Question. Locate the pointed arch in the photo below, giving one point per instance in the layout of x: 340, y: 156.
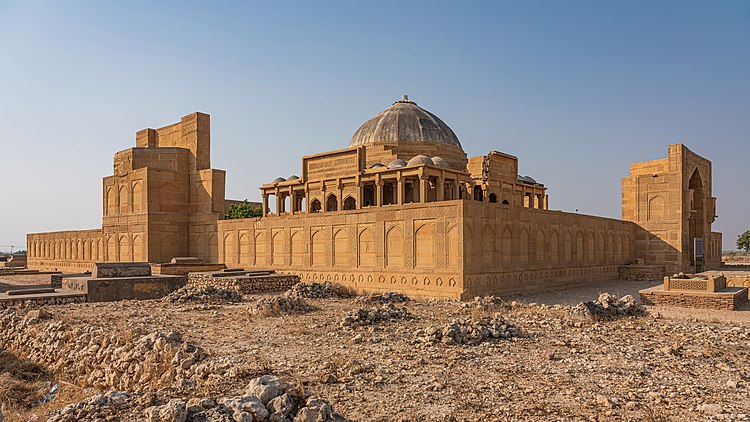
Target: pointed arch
x: 244, y: 248
x: 332, y: 203
x: 136, y: 197
x: 277, y: 249
x: 110, y: 205
x: 125, y: 255
x: 488, y: 247
x: 539, y: 248
x: 317, y: 249
x: 213, y: 249
x: 297, y: 249
x: 554, y: 248
x: 424, y: 246
x: 315, y: 205
x: 228, y: 253
x: 350, y: 203
x: 508, y: 247
x: 340, y: 256
x: 123, y: 199
x: 601, y: 253
x: 394, y: 248
x: 139, y: 253
x: 261, y: 249
x: 366, y: 248
x: 523, y: 253
x: 579, y: 251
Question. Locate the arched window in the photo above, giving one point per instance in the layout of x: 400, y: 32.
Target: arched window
x: 314, y: 205
x: 350, y: 203
x: 505, y: 202
x: 331, y: 203
x: 478, y: 195
x: 493, y: 198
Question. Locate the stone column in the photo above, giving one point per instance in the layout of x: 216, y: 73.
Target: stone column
x: 423, y: 179
x: 440, y: 185
x: 340, y: 197
x: 378, y: 193
x: 361, y: 199
x: 265, y: 204
x: 278, y: 202
x: 400, y: 190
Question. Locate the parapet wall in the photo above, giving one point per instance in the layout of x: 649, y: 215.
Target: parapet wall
x: 450, y: 249
x: 514, y: 250
x: 73, y: 250
x: 414, y: 248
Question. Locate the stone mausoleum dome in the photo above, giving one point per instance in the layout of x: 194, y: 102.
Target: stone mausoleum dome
x: 403, y: 122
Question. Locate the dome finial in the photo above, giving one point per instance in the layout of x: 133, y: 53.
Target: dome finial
x: 404, y: 97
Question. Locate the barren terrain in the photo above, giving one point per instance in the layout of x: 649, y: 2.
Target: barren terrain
x: 664, y: 365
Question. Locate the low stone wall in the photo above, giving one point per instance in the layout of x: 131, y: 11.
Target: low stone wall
x: 244, y: 283
x: 719, y: 301
x: 8, y: 302
x: 641, y: 272
x: 735, y: 277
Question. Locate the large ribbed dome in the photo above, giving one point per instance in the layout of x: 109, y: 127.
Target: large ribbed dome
x: 404, y: 121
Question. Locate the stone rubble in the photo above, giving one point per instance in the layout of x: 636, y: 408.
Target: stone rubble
x: 385, y: 297
x: 101, y: 358
x: 609, y: 306
x: 362, y: 316
x: 316, y: 291
x: 486, y: 303
x: 266, y: 398
x: 279, y: 305
x: 203, y: 294
x: 464, y: 331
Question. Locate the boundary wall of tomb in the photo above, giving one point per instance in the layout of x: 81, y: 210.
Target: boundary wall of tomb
x: 72, y: 250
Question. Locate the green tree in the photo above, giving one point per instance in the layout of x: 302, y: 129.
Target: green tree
x: 743, y: 241
x: 243, y: 210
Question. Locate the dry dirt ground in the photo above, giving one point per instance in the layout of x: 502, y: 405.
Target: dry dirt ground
x: 667, y: 365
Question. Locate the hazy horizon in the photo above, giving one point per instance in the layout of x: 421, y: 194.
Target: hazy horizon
x: 576, y: 90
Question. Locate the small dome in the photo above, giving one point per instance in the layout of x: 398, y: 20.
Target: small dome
x: 440, y: 162
x: 404, y: 122
x: 527, y: 179
x: 278, y: 180
x: 293, y: 177
x: 397, y: 163
x: 376, y: 165
x: 420, y: 160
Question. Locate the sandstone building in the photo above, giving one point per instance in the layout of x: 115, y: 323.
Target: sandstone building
x: 401, y: 208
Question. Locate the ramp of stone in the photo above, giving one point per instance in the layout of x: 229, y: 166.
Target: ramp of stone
x: 253, y: 281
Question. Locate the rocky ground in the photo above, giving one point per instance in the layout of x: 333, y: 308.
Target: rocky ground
x: 525, y: 358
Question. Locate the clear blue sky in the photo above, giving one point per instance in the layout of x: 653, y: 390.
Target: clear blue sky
x: 576, y: 89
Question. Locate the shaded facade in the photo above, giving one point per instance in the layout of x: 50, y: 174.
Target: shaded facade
x: 401, y: 208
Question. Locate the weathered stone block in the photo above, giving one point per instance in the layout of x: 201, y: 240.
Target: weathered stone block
x: 120, y: 269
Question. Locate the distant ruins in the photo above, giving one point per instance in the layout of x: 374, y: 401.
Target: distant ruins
x: 401, y: 208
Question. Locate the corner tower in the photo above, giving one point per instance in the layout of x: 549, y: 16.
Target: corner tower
x: 671, y: 200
